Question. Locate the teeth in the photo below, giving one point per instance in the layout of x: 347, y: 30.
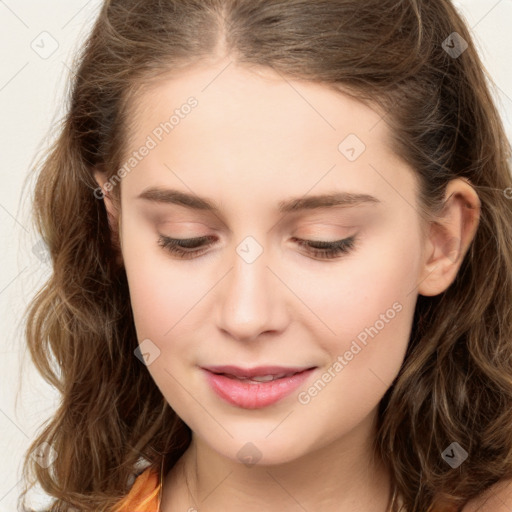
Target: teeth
x: 263, y: 378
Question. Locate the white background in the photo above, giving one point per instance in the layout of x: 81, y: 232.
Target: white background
x: 31, y: 101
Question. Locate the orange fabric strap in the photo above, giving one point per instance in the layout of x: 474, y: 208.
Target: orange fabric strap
x: 144, y: 496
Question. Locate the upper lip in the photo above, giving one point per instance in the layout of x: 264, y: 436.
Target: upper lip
x: 257, y: 371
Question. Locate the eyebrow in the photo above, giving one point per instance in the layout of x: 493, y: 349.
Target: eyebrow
x: 343, y: 199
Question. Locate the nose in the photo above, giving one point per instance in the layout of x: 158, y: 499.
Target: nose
x: 251, y: 300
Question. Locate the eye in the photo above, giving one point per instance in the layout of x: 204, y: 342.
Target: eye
x: 184, y: 248
x: 187, y: 248
x: 328, y: 250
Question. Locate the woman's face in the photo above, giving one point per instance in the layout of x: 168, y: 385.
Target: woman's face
x: 243, y: 163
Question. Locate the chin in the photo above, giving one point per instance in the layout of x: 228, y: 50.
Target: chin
x: 259, y: 447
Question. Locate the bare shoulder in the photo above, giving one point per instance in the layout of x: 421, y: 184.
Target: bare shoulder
x: 497, y: 498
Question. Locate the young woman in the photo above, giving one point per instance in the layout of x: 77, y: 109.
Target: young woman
x: 281, y: 236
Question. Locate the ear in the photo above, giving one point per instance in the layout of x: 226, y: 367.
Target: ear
x: 113, y: 212
x: 449, y: 237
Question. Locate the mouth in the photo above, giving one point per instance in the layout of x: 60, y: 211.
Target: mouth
x: 259, y: 378
x: 255, y: 388
x: 258, y: 373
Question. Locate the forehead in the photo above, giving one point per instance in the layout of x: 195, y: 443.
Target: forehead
x: 257, y: 128
x: 259, y: 100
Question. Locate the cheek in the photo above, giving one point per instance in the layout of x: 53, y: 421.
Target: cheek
x: 368, y: 306
x: 373, y: 321
x: 373, y: 287
x: 161, y: 292
x: 162, y: 297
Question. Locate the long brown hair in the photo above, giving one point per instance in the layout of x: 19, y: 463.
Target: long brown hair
x: 455, y: 384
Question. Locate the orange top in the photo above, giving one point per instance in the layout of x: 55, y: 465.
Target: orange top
x: 145, y: 495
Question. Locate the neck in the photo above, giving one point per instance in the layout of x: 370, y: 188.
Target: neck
x: 340, y: 476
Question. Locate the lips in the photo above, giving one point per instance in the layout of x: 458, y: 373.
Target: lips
x: 260, y: 373
x: 254, y: 388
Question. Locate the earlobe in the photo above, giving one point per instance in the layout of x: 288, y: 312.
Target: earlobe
x: 449, y: 237
x: 113, y: 216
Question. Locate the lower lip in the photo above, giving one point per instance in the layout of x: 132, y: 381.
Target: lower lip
x: 254, y: 395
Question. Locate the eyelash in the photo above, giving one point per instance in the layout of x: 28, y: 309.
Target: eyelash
x: 324, y: 250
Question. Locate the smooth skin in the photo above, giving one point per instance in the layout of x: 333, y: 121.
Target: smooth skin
x: 253, y: 140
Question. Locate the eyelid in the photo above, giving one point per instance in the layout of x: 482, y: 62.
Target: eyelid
x: 324, y: 250
x: 196, y: 240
